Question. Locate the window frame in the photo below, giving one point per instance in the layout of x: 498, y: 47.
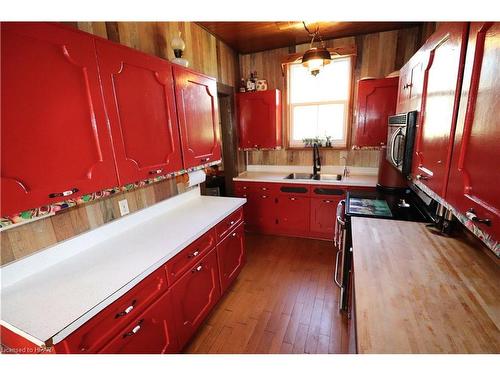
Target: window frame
x: 342, y: 145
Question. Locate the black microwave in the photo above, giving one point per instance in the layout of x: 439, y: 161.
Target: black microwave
x: 400, y: 140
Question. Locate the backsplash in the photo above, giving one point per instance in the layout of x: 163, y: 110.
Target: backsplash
x: 21, y: 241
x: 355, y: 158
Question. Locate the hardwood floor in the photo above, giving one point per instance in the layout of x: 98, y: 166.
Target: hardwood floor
x: 284, y: 301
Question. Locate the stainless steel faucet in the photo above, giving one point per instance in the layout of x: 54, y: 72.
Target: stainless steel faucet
x: 316, y: 160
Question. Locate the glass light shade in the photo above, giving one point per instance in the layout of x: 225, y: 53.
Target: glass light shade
x: 315, y: 58
x: 178, y: 43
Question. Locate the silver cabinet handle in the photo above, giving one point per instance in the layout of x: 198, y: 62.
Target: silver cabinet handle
x: 471, y: 215
x: 336, y: 269
x: 205, y: 159
x: 326, y: 201
x: 232, y: 222
x: 421, y: 177
x: 264, y: 196
x: 293, y: 199
x: 234, y: 234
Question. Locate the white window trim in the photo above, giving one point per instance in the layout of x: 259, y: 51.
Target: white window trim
x: 347, y: 102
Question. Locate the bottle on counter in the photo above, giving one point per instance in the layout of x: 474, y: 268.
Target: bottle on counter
x: 243, y: 85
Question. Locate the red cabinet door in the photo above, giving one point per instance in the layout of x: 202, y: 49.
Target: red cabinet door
x: 197, y: 110
x: 55, y: 143
x: 231, y: 257
x: 440, y: 96
x: 194, y: 295
x: 293, y: 214
x: 259, y: 119
x: 153, y: 332
x: 264, y: 211
x: 323, y: 215
x: 139, y: 96
x: 474, y: 181
x: 376, y: 102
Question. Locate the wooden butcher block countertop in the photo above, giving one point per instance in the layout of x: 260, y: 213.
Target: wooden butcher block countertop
x: 420, y: 292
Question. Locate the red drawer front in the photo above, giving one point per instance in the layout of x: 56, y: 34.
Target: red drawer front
x: 189, y: 256
x: 152, y: 332
x: 228, y: 224
x: 243, y: 186
x: 294, y: 189
x: 97, y: 331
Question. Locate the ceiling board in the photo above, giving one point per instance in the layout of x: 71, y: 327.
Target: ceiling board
x: 248, y: 37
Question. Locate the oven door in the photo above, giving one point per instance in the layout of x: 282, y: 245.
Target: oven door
x: 340, y: 257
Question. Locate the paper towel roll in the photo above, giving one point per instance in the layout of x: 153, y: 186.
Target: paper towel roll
x: 197, y: 177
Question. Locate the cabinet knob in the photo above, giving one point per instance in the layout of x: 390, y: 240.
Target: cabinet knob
x: 205, y: 160
x: 197, y: 269
x: 232, y: 222
x: 421, y: 177
x: 264, y: 196
x: 471, y: 215
x: 194, y: 253
x: 234, y: 234
x: 327, y: 201
x: 293, y: 199
x: 127, y: 310
x: 134, y: 330
x: 156, y: 171
x: 64, y: 193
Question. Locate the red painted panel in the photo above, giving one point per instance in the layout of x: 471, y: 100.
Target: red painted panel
x: 54, y: 136
x: 194, y: 295
x: 474, y: 181
x: 139, y: 96
x: 228, y: 224
x: 153, y: 332
x: 259, y: 119
x: 376, y: 102
x: 323, y: 215
x: 197, y: 108
x: 231, y: 257
x: 442, y: 80
x: 294, y: 214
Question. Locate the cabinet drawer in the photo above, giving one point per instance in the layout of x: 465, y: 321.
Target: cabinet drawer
x: 262, y: 187
x: 152, y: 332
x: 101, y: 328
x: 294, y: 189
x: 228, y: 224
x: 189, y: 256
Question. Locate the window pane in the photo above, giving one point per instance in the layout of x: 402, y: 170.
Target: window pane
x: 310, y: 121
x: 332, y: 83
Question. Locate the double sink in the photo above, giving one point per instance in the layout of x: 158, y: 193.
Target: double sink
x: 310, y: 176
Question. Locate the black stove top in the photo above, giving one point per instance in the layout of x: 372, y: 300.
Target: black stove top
x: 397, y: 205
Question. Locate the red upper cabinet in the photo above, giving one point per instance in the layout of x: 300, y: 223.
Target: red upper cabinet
x: 474, y: 181
x: 139, y: 96
x: 54, y: 139
x: 259, y: 119
x: 197, y: 111
x: 440, y: 97
x: 411, y: 83
x: 376, y: 101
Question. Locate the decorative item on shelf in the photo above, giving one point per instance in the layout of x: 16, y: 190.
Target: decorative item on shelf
x: 315, y: 58
x: 261, y: 85
x: 250, y: 83
x: 328, y: 142
x: 178, y: 46
x: 243, y: 85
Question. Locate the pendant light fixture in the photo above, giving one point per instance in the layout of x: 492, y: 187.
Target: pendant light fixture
x: 315, y: 58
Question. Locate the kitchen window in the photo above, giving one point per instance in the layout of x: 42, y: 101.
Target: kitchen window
x: 319, y: 106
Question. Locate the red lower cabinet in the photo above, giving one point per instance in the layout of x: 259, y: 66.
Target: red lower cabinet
x: 293, y: 214
x: 231, y: 257
x: 153, y: 332
x: 194, y: 295
x: 323, y: 217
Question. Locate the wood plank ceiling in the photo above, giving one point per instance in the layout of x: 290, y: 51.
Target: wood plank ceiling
x: 249, y: 37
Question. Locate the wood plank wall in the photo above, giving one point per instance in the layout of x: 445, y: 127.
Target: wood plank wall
x: 378, y: 54
x: 205, y: 54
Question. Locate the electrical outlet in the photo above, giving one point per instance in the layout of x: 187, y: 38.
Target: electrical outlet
x: 123, y: 204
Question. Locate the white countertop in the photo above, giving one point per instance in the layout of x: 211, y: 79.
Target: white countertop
x: 51, y: 293
x: 364, y: 177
